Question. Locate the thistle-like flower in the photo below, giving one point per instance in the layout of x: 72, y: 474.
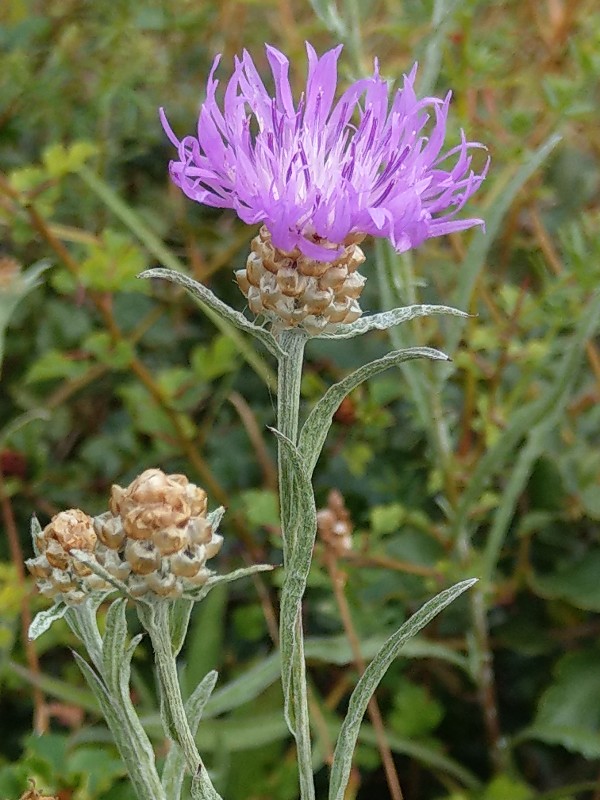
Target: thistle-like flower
x: 320, y: 175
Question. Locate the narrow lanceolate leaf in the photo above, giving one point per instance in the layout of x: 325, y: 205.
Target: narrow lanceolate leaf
x: 44, y: 619
x: 215, y: 580
x: 179, y: 620
x: 136, y: 753
x: 35, y: 530
x: 389, y: 319
x: 303, y: 524
x: 218, y: 306
x: 90, y: 561
x: 316, y: 427
x: 368, y: 683
x: 113, y: 643
x: 174, y: 769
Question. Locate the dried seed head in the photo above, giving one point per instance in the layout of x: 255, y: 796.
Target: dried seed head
x: 142, y: 557
x: 72, y: 530
x: 154, y: 504
x: 334, y: 524
x: 58, y: 573
x: 294, y: 290
x: 109, y: 530
x: 156, y: 537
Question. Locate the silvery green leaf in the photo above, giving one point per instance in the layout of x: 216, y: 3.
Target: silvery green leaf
x: 179, y: 620
x: 214, y: 517
x: 315, y: 429
x: 135, y: 750
x: 218, y: 306
x: 35, y: 529
x: 369, y: 681
x: 215, y: 580
x: 90, y: 561
x: 304, y: 528
x: 388, y: 319
x: 174, y: 769
x: 83, y: 622
x: 44, y: 619
x: 114, y: 643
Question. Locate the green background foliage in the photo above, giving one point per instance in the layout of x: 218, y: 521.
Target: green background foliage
x: 487, y: 467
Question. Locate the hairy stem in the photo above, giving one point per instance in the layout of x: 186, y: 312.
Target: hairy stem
x: 288, y: 410
x: 175, y: 721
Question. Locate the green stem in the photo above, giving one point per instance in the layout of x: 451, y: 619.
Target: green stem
x: 130, y: 737
x: 175, y: 721
x: 288, y: 410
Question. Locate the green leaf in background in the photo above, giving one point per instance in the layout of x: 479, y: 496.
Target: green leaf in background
x: 11, y: 596
x: 60, y: 160
x: 261, y: 507
x: 204, y: 645
x: 113, y: 264
x: 577, y: 582
x: 55, y: 364
x: 504, y: 787
x: 569, y: 710
x: 14, y: 286
x: 415, y: 713
x: 216, y: 359
x: 116, y: 355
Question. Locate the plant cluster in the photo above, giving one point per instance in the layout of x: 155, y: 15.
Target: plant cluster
x: 483, y: 466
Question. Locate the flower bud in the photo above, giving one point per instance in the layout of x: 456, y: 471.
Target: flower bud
x: 59, y: 574
x: 334, y: 524
x: 292, y: 290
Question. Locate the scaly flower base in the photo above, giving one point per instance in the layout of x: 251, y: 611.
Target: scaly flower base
x: 293, y: 290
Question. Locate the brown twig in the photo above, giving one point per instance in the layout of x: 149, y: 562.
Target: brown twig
x: 254, y: 432
x: 40, y: 713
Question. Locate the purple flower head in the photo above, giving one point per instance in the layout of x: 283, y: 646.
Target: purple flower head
x: 318, y: 173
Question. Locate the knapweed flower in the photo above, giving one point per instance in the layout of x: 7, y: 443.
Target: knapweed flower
x: 321, y: 174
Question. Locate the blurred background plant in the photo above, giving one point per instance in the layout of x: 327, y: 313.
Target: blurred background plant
x: 490, y: 467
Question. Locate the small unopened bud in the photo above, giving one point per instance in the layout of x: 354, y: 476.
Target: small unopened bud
x: 334, y: 524
x: 292, y: 290
x: 58, y: 572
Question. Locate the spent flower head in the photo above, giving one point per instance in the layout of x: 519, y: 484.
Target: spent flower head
x: 318, y: 173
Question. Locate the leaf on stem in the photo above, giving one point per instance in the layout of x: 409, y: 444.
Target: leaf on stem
x: 207, y: 297
x: 175, y: 769
x: 215, y: 580
x: 369, y: 681
x: 303, y: 526
x: 389, y: 319
x: 315, y: 429
x: 44, y: 619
